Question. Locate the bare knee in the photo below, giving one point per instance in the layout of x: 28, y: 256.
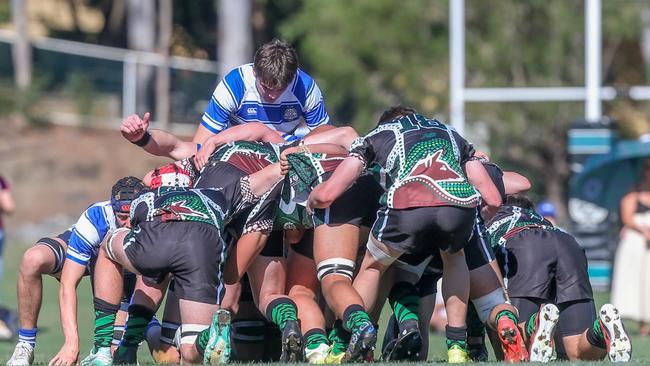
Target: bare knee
x: 36, y: 261
x: 300, y: 291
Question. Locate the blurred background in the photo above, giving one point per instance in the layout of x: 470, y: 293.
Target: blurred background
x: 553, y: 89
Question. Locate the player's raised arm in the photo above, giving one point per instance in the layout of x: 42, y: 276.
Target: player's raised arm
x: 155, y: 142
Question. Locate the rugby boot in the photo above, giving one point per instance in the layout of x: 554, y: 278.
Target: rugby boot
x: 23, y: 355
x: 512, y: 344
x: 339, y: 341
x: 457, y: 354
x: 126, y: 356
x: 291, y: 342
x: 362, y: 344
x: 318, y: 355
x: 477, y: 352
x: 217, y: 351
x: 98, y: 357
x: 541, y: 338
x: 407, y: 345
x: 619, y: 345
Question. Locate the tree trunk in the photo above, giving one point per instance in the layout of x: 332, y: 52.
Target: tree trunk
x: 165, y: 23
x: 645, y: 38
x: 235, y: 34
x: 22, y: 53
x: 141, y: 27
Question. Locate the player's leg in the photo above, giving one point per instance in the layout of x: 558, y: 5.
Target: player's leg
x: 108, y: 291
x: 45, y: 257
x: 303, y: 287
x: 147, y: 296
x: 164, y: 339
x: 268, y: 277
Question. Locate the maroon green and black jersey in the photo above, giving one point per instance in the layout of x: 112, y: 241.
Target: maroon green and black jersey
x: 249, y: 156
x: 510, y: 220
x: 419, y: 163
x: 214, y: 206
x: 306, y: 171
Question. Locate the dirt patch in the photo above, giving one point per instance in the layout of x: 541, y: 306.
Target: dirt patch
x: 56, y: 171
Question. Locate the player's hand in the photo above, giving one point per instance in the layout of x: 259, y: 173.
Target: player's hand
x: 284, y: 163
x: 203, y: 156
x: 133, y: 128
x: 67, y: 356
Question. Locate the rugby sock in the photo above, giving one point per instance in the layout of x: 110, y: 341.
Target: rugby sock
x: 153, y: 324
x: 314, y: 338
x: 456, y: 336
x: 28, y: 336
x: 339, y: 338
x: 354, y: 317
x: 595, y: 335
x: 404, y: 301
x: 280, y: 310
x: 104, y: 322
x: 531, y: 324
x: 139, y: 318
x: 202, y: 341
x: 168, y: 332
x: 507, y: 313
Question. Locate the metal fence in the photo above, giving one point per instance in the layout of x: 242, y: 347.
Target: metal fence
x: 81, y: 83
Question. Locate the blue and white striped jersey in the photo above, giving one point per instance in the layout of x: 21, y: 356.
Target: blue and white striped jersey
x: 90, y: 230
x: 236, y: 101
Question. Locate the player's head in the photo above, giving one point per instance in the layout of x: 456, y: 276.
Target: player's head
x: 395, y: 113
x: 546, y: 209
x: 170, y: 175
x: 275, y: 65
x: 520, y: 200
x: 124, y: 191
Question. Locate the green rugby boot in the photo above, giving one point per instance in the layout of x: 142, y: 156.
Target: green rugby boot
x: 98, y: 357
x: 217, y: 350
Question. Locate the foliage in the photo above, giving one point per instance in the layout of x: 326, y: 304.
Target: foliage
x: 370, y: 54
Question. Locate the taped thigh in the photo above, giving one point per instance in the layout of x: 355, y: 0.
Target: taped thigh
x: 335, y: 266
x: 189, y: 332
x: 109, y: 244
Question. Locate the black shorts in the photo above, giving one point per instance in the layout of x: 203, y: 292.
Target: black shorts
x: 357, y: 206
x: 575, y: 316
x: 305, y: 246
x: 274, y: 246
x: 545, y: 264
x: 422, y: 231
x: 57, y: 249
x: 478, y: 251
x: 193, y: 252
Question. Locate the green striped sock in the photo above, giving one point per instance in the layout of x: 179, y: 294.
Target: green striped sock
x: 280, y: 310
x: 104, y: 322
x: 405, y: 301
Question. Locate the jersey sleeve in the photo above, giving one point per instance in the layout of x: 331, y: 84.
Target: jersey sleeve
x: 311, y: 98
x: 224, y: 101
x: 466, y: 149
x: 363, y: 149
x: 87, y: 235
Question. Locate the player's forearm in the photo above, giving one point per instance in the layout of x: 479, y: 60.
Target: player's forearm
x: 262, y: 181
x: 327, y: 148
x: 68, y: 306
x: 163, y: 143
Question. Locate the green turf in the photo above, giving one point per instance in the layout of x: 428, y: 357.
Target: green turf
x: 50, y: 337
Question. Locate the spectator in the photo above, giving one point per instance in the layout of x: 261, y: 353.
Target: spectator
x: 7, y: 206
x: 547, y: 210
x: 632, y: 264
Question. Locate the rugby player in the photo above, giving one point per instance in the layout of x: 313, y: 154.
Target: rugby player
x: 545, y: 271
x: 272, y: 90
x: 67, y: 257
x: 427, y: 195
x: 179, y: 232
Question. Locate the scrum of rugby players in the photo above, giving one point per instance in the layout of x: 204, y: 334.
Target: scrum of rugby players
x: 275, y: 236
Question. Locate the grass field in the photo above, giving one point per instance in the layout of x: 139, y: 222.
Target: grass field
x: 50, y: 336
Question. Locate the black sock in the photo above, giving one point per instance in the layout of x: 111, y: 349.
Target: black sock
x: 456, y: 336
